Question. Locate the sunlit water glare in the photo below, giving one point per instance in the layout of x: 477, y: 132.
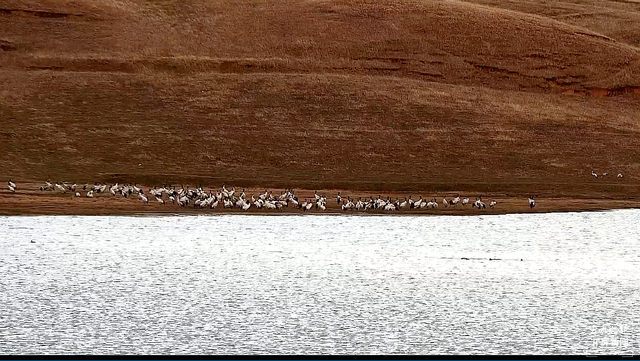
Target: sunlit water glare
x: 235, y: 284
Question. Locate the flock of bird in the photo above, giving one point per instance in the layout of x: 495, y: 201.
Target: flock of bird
x: 593, y: 173
x: 199, y: 198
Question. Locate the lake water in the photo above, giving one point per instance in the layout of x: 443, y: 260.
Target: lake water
x: 564, y: 283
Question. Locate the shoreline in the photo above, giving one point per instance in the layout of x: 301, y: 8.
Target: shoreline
x: 29, y: 200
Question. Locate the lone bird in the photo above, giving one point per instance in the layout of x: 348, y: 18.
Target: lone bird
x: 532, y: 202
x: 11, y: 184
x: 619, y: 175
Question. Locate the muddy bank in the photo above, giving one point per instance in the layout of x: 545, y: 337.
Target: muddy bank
x: 28, y: 200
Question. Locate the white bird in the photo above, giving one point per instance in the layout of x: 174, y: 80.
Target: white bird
x: 465, y: 201
x: 619, y: 175
x: 160, y: 200
x: 61, y: 188
x: 78, y: 194
x: 339, y: 198
x: 492, y: 204
x: 604, y: 175
x: 11, y: 184
x: 90, y: 194
x: 594, y: 174
x: 11, y: 189
x: 532, y: 202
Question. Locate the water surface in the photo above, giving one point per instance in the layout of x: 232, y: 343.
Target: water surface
x: 238, y: 284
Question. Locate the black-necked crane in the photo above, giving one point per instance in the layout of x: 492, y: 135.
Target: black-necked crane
x: 532, y: 202
x: 294, y: 202
x: 60, y: 188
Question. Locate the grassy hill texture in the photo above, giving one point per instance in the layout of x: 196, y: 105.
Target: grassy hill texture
x: 518, y: 97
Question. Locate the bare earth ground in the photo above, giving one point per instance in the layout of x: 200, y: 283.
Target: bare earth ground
x: 495, y: 98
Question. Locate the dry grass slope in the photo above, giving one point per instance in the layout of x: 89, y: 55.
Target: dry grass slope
x: 494, y: 96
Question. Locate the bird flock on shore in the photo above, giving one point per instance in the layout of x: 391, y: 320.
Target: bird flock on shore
x: 199, y: 198
x: 231, y: 198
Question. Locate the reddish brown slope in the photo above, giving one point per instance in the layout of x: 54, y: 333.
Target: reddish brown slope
x: 451, y: 42
x: 358, y: 94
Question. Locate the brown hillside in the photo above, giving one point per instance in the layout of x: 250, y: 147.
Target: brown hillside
x: 615, y: 19
x: 355, y: 94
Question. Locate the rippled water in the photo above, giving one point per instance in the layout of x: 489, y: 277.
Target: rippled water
x: 235, y: 284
